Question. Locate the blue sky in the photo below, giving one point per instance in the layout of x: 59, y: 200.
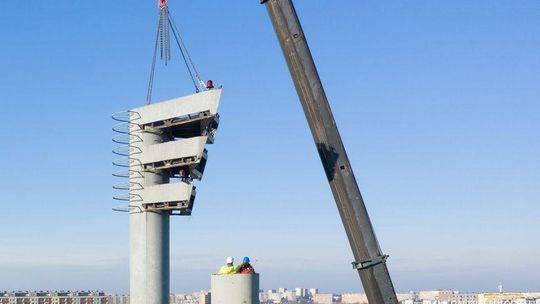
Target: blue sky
x: 437, y: 103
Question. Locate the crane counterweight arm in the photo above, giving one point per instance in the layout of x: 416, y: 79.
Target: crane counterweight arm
x: 369, y: 260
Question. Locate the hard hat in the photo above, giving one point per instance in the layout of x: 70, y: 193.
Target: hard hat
x: 230, y: 260
x: 245, y: 260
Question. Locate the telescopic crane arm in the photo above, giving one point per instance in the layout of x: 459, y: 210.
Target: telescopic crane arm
x: 369, y: 260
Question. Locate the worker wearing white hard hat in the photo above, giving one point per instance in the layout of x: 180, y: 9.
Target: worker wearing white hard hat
x: 229, y: 267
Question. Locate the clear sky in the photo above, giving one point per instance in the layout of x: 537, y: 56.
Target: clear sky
x: 438, y: 103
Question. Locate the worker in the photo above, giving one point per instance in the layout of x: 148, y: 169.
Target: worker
x: 245, y: 267
x: 229, y: 267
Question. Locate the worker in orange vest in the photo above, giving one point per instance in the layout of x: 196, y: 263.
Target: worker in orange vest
x: 245, y: 267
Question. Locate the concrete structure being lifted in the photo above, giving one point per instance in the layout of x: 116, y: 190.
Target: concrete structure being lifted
x: 163, y: 146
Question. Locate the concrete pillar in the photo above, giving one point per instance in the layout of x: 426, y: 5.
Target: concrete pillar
x: 149, y: 234
x: 235, y: 289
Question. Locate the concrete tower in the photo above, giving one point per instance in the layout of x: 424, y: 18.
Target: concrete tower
x: 235, y: 289
x: 165, y: 150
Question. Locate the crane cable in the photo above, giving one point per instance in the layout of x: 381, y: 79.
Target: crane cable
x: 182, y: 45
x: 165, y: 25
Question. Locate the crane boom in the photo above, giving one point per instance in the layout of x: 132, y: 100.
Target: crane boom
x: 369, y: 260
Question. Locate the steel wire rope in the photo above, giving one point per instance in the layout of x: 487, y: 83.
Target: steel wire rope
x: 173, y: 25
x: 166, y: 23
x: 153, y: 66
x: 176, y: 35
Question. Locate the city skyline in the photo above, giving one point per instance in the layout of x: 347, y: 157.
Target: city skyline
x: 279, y: 289
x: 442, y: 132
x: 298, y: 295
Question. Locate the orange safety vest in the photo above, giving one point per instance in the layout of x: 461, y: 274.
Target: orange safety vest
x: 245, y: 268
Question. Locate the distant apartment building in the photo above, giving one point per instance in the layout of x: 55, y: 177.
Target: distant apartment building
x: 354, y: 298
x: 54, y: 297
x: 322, y: 298
x: 402, y: 297
x: 506, y: 298
x: 118, y: 299
x: 464, y: 298
x: 301, y: 292
x: 179, y: 298
x: 289, y: 295
x: 454, y: 297
x: 361, y: 298
x: 411, y: 301
x: 282, y: 294
x: 205, y: 297
x: 271, y: 296
x: 435, y: 296
x: 527, y: 301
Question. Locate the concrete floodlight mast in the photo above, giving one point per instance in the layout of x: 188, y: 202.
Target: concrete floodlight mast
x: 370, y: 262
x: 162, y: 149
x: 163, y: 145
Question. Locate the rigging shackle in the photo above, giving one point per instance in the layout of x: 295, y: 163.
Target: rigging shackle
x: 162, y: 4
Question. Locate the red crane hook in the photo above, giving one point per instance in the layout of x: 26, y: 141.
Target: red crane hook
x: 162, y: 4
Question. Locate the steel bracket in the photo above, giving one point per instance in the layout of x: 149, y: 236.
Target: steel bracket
x: 369, y: 263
